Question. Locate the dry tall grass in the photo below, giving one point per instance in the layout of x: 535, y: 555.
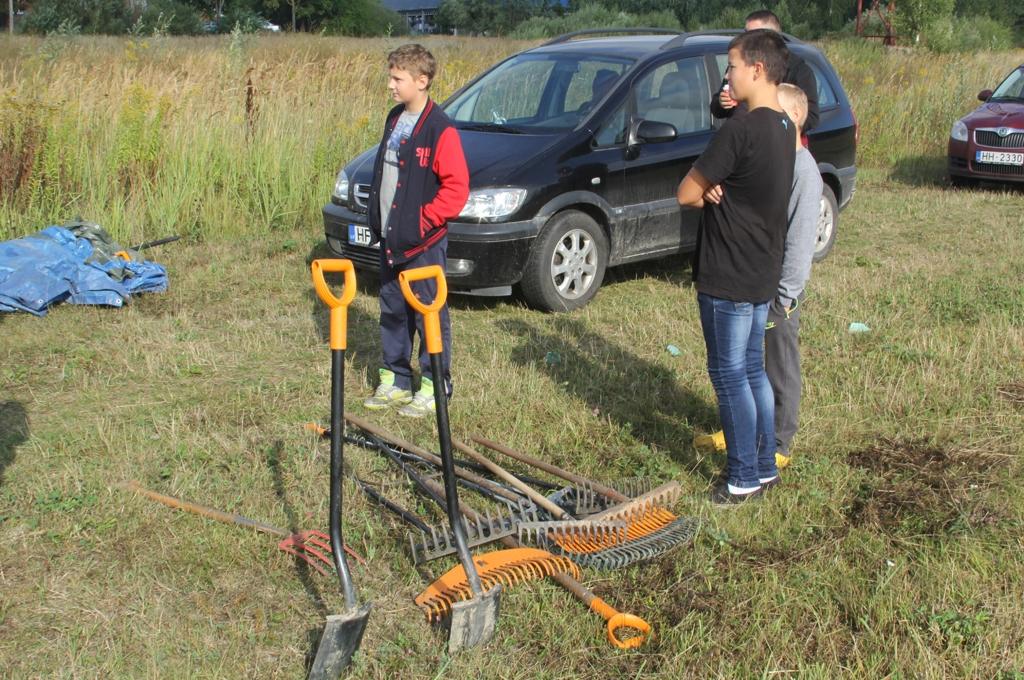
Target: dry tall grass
x: 220, y: 137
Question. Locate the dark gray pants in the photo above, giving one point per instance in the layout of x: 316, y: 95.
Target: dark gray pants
x: 782, y: 364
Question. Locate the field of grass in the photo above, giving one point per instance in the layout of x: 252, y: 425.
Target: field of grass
x: 892, y: 550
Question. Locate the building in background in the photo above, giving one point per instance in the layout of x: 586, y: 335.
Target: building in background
x: 420, y: 14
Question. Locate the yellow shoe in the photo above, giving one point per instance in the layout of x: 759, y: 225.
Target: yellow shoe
x: 781, y: 461
x: 715, y: 441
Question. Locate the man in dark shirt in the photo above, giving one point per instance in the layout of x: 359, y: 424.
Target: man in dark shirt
x: 797, y: 73
x: 738, y: 261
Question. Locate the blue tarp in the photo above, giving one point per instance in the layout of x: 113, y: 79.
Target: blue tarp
x: 49, y: 267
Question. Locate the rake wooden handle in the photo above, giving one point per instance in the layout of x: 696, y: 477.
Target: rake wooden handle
x: 428, y: 456
x: 212, y: 513
x: 606, y: 491
x: 501, y: 472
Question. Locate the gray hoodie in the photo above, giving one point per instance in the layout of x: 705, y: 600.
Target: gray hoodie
x: 804, y: 206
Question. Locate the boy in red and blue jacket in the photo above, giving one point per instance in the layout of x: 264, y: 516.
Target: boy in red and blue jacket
x: 420, y: 181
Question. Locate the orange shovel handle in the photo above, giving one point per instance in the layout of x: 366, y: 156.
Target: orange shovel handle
x: 617, y: 620
x: 339, y: 306
x: 430, y: 312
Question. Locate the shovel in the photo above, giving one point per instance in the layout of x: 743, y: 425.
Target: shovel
x: 472, y: 621
x: 342, y: 632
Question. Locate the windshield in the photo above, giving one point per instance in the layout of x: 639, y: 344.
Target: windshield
x: 1012, y: 87
x: 536, y: 93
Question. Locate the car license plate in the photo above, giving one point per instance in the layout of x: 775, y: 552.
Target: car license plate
x: 359, y: 234
x: 1000, y: 158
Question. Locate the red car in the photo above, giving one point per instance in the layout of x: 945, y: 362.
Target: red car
x: 988, y: 143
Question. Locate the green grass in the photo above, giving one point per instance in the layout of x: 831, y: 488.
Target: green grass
x: 892, y: 549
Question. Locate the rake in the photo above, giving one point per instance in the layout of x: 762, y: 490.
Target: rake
x: 309, y: 546
x: 632, y: 519
x: 646, y: 514
x: 652, y: 530
x: 617, y: 623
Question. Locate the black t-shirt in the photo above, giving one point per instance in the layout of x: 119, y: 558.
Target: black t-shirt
x: 741, y: 240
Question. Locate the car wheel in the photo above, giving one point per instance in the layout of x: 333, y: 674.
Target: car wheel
x: 567, y: 263
x: 828, y: 224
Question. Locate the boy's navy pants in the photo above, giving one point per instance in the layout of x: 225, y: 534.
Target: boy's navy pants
x: 399, y: 323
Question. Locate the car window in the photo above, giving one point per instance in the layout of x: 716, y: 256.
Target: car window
x: 1012, y: 87
x: 676, y: 92
x: 590, y: 84
x: 538, y: 92
x: 826, y: 95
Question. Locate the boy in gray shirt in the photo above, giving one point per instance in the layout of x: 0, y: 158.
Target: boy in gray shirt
x: 782, y: 346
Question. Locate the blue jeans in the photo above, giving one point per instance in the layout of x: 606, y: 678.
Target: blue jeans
x: 734, y: 336
x: 400, y: 323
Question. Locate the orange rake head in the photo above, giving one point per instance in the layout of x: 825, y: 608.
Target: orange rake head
x: 501, y: 567
x: 314, y: 546
x: 640, y: 517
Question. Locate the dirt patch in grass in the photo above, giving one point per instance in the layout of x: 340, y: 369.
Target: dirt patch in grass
x: 919, y: 488
x: 1012, y: 392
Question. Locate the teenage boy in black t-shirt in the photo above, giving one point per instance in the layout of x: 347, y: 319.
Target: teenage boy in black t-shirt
x: 738, y: 261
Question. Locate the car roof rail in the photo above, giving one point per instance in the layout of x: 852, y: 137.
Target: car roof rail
x: 566, y: 37
x: 681, y: 39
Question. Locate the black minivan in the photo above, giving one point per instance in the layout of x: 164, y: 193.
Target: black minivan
x: 575, y: 150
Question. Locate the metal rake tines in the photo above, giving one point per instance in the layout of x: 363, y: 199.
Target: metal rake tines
x: 582, y: 499
x: 507, y: 567
x: 649, y: 505
x: 574, y: 536
x: 678, y: 533
x: 439, y: 541
x: 310, y: 546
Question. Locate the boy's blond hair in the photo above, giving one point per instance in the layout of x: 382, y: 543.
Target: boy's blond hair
x: 792, y: 98
x: 416, y: 59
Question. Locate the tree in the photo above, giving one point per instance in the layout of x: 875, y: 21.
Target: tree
x: 913, y: 16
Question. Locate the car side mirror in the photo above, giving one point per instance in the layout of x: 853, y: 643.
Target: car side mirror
x: 647, y: 132
x: 984, y: 95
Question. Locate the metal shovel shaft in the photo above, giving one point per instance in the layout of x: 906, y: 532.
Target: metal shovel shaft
x: 337, y: 465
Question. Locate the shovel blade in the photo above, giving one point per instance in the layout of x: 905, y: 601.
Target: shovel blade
x: 341, y: 638
x: 472, y: 622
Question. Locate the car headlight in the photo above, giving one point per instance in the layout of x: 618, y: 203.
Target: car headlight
x: 489, y: 204
x: 959, y: 131
x: 341, y: 187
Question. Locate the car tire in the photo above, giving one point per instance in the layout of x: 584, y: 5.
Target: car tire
x: 828, y: 224
x: 566, y: 264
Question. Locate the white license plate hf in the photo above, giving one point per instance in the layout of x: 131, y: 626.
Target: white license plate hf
x: 359, y: 234
x: 1000, y: 157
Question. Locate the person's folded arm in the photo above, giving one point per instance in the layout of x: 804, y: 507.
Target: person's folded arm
x: 691, y: 189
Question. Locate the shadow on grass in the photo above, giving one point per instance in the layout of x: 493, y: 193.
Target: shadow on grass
x: 931, y: 171
x: 641, y: 396
x: 302, y: 570
x: 13, y: 431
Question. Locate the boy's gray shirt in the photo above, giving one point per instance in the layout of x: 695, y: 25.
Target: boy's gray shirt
x: 804, y: 206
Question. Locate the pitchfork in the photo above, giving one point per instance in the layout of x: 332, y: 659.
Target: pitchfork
x: 310, y: 546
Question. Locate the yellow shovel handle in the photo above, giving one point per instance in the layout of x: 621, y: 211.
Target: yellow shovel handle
x: 617, y: 620
x: 430, y: 312
x: 339, y: 306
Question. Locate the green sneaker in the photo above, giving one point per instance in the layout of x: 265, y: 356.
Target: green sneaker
x: 422, y: 404
x: 387, y: 395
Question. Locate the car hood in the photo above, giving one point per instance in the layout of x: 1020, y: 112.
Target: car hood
x: 493, y: 157
x: 997, y: 114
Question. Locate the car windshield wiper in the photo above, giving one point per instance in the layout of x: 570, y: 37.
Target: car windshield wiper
x: 490, y: 127
x: 1006, y: 98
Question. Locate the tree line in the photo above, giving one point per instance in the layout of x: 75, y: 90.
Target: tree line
x: 517, y: 18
